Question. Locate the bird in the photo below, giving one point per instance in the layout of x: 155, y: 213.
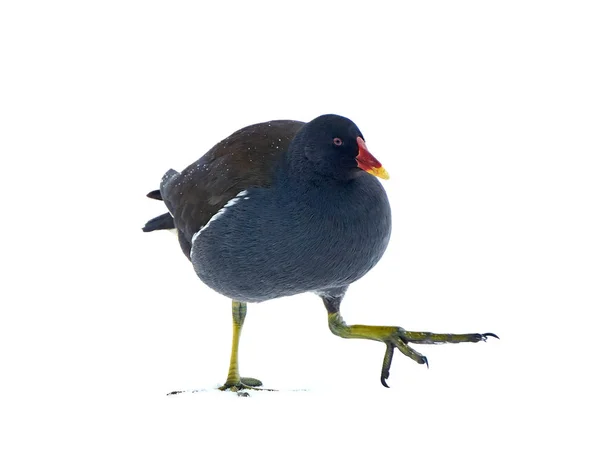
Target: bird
x: 285, y: 207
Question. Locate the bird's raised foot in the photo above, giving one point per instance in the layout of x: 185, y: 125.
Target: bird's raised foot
x: 400, y: 338
x: 394, y: 337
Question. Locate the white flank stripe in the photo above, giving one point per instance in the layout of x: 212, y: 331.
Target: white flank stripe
x: 219, y: 213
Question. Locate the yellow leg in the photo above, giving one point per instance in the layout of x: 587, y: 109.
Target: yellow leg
x: 234, y: 382
x: 393, y: 337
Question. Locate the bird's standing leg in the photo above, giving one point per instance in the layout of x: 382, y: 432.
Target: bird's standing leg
x: 392, y: 337
x: 234, y: 382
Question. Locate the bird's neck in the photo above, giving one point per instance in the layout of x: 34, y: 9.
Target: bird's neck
x: 297, y: 169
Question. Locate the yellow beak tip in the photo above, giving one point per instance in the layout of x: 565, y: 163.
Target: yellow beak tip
x: 379, y: 172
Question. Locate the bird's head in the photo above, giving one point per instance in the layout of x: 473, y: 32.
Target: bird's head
x: 333, y: 146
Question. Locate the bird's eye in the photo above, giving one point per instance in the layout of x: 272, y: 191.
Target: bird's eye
x: 337, y: 141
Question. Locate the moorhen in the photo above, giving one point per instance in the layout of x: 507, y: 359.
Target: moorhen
x: 281, y: 208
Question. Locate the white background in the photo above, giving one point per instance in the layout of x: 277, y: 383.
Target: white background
x: 486, y: 115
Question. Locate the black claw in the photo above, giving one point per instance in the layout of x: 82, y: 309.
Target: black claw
x: 424, y: 361
x: 383, y: 382
x: 485, y: 335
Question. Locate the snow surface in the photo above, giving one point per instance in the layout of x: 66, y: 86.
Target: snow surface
x: 486, y: 117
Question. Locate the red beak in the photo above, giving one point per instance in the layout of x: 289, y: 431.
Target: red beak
x: 368, y: 162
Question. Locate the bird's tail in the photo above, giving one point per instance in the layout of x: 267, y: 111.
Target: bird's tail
x: 162, y: 222
x: 154, y: 195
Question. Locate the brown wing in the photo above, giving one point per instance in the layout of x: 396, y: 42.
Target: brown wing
x: 245, y: 159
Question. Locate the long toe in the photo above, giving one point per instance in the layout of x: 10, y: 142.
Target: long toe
x: 252, y: 382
